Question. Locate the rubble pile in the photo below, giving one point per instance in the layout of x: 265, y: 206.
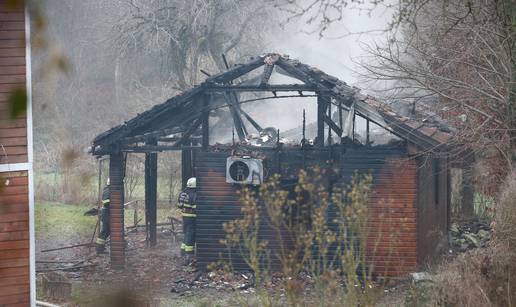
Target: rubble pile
x: 268, y: 137
x: 242, y: 282
x: 190, y: 283
x: 471, y: 235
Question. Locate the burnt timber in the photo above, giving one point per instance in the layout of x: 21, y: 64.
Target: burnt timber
x: 182, y: 123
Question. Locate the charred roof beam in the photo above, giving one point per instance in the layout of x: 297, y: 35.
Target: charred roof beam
x: 262, y: 88
x: 266, y: 75
x: 234, y: 108
x: 332, y: 125
x: 235, y: 71
x: 252, y: 121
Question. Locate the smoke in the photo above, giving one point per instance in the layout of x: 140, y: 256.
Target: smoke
x: 337, y: 53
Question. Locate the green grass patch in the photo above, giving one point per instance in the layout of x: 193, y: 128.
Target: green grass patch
x: 58, y: 221
x: 62, y: 220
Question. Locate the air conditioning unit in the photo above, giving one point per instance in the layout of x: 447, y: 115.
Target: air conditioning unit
x: 244, y: 170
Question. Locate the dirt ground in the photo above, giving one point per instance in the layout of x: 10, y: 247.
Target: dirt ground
x: 155, y: 275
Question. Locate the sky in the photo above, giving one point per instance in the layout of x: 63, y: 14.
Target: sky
x: 335, y: 52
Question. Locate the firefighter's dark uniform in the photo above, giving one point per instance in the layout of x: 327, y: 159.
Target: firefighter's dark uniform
x: 104, y: 221
x: 187, y: 203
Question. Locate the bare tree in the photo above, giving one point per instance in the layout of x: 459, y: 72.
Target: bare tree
x: 453, y: 58
x: 186, y: 35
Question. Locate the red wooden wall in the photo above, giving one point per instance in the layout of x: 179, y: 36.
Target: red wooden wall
x: 13, y: 133
x: 14, y: 196
x: 392, y: 228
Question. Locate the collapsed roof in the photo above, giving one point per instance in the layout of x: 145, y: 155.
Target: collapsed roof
x: 182, y: 113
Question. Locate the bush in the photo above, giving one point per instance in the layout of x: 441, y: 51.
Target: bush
x: 299, y: 216
x: 483, y: 277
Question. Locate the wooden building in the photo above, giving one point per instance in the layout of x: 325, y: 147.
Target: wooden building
x: 410, y: 200
x: 17, y: 264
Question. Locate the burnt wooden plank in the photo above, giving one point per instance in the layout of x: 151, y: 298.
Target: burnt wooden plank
x: 266, y: 75
x: 151, y: 186
x: 235, y: 71
x: 261, y: 88
x: 332, y: 124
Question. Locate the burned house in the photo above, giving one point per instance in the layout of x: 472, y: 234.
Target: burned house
x: 409, y: 206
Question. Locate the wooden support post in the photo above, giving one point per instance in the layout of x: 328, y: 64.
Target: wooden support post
x: 329, y: 127
x: 116, y: 210
x: 321, y: 112
x: 151, y: 186
x: 367, y: 132
x: 206, y: 121
x: 353, y: 131
x: 186, y: 165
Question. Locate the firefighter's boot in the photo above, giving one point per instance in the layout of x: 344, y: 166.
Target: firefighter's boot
x: 100, y: 246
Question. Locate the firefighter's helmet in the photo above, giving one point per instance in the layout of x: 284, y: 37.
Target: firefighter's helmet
x: 191, y: 183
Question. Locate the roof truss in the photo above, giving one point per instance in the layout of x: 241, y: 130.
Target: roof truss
x: 182, y: 113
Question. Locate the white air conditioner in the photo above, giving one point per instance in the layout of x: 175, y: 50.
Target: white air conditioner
x: 244, y: 170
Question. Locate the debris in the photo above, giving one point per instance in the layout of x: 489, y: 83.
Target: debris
x: 56, y: 286
x: 474, y: 234
x: 418, y: 277
x: 472, y: 239
x: 66, y: 247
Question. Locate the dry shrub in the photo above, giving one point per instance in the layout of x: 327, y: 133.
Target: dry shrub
x: 484, y: 277
x: 326, y: 263
x: 505, y: 216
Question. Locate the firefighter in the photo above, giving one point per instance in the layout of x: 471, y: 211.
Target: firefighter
x: 100, y: 243
x: 187, y: 203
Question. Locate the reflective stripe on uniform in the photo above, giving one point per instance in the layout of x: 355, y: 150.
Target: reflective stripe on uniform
x: 105, y: 201
x: 100, y: 241
x: 183, y: 246
x: 189, y: 248
x: 189, y: 206
x: 189, y: 214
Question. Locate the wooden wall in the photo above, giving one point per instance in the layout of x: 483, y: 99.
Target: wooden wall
x: 433, y: 206
x: 14, y: 195
x: 14, y: 239
x: 13, y: 133
x: 392, y: 241
x: 392, y: 229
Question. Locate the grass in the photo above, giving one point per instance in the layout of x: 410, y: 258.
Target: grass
x: 65, y: 223
x: 84, y: 187
x: 57, y: 220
